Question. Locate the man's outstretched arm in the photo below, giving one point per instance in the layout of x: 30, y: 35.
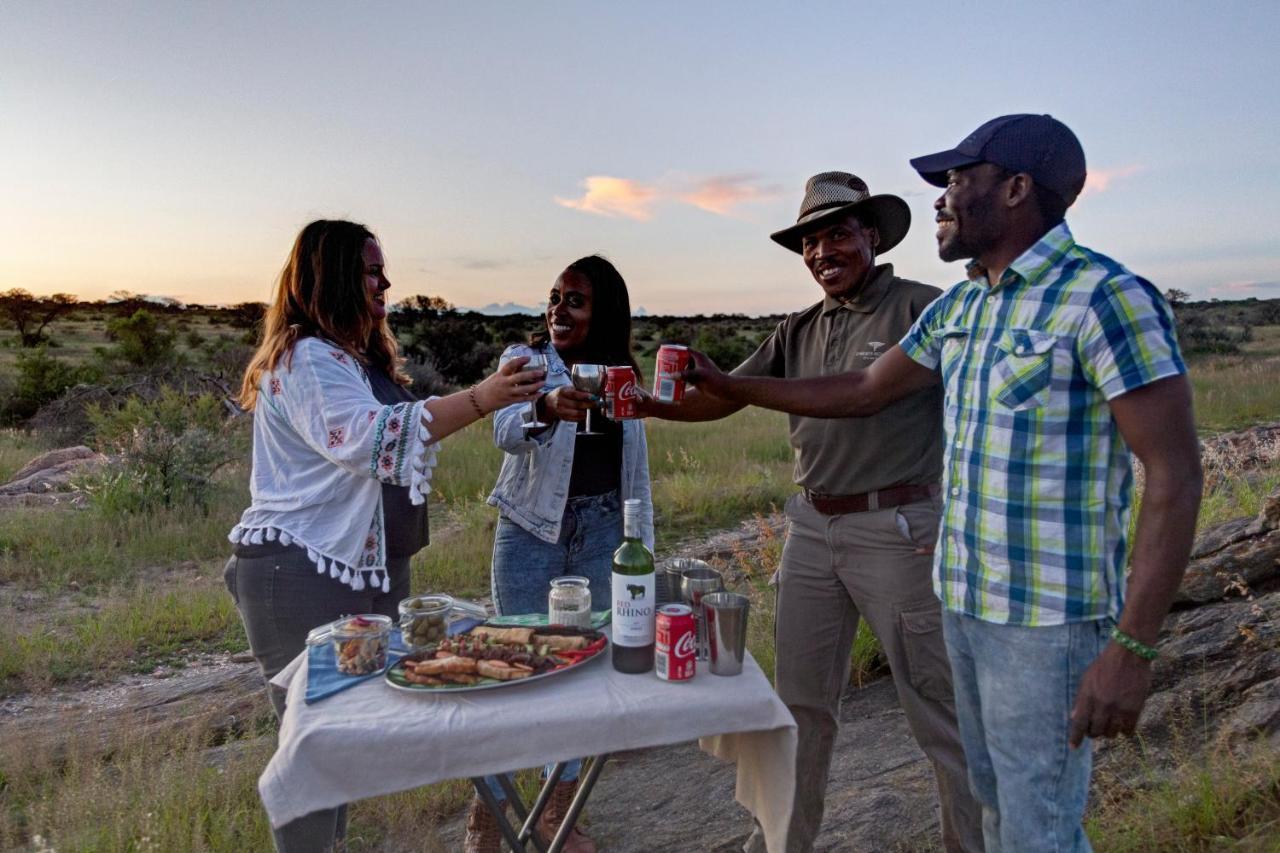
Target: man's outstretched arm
x: 861, y: 392
x: 695, y: 406
x: 1156, y: 422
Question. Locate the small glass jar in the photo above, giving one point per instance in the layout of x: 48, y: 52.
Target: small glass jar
x: 424, y: 620
x: 360, y: 643
x: 569, y: 602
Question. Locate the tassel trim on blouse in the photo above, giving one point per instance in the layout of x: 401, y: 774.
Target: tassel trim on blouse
x: 352, y: 576
x: 424, y: 458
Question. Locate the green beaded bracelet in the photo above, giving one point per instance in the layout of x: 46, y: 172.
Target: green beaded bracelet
x: 1142, y: 650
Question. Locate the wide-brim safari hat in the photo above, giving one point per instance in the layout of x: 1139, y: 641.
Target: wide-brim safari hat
x: 831, y: 195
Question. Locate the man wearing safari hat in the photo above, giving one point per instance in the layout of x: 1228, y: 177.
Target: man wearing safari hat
x: 862, y: 527
x: 1057, y: 363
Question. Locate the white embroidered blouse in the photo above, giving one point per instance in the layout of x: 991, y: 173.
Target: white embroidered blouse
x: 322, y: 448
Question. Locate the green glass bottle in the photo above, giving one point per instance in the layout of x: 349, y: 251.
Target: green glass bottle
x: 634, y: 600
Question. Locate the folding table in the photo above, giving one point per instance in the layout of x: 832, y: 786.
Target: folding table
x: 374, y: 739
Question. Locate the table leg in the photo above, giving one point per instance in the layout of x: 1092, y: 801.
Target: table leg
x: 541, y: 802
x: 495, y: 808
x: 520, y: 840
x: 585, y: 787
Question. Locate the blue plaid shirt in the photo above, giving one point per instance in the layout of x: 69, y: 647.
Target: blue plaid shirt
x: 1038, y: 481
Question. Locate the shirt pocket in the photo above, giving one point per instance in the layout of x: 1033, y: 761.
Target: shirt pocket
x: 1023, y: 372
x: 955, y: 340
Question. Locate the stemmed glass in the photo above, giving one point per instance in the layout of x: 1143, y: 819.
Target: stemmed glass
x: 589, y: 378
x: 537, y: 361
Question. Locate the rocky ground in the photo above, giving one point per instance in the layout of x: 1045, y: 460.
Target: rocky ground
x: 1217, y: 684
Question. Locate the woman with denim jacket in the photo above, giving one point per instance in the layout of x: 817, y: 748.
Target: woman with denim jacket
x: 560, y: 490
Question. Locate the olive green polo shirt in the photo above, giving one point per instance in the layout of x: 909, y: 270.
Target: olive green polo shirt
x: 900, y: 445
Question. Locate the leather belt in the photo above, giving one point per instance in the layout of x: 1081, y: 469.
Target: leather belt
x: 882, y: 499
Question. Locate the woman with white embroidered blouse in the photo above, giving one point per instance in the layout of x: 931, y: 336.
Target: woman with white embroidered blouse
x: 337, y: 440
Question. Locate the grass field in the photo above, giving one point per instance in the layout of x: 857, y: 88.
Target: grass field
x: 104, y: 595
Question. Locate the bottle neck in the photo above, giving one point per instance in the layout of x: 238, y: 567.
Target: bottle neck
x: 631, y: 526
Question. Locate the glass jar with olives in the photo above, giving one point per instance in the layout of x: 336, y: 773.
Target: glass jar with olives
x: 424, y: 620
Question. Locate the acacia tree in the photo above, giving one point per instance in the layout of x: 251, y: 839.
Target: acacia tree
x: 30, y: 314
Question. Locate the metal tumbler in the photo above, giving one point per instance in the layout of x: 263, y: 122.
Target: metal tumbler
x: 726, y: 619
x: 694, y: 584
x: 669, y: 590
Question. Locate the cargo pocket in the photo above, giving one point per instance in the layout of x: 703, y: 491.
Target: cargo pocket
x: 928, y: 668
x: 1023, y: 371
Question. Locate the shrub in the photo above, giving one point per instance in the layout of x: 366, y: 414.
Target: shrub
x: 163, y: 452
x: 41, y: 378
x: 459, y: 347
x: 142, y: 339
x: 427, y: 380
x: 226, y: 357
x: 724, y: 345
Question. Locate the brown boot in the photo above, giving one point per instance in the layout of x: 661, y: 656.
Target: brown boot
x: 483, y: 834
x: 551, y: 817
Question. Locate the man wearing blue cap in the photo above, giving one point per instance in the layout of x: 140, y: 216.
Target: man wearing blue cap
x: 1056, y: 363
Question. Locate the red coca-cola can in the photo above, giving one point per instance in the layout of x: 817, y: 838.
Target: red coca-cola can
x: 673, y: 360
x: 675, y: 643
x: 620, y: 393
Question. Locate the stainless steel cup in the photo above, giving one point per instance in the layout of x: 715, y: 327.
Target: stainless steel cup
x: 694, y: 584
x: 671, y: 571
x: 726, y: 618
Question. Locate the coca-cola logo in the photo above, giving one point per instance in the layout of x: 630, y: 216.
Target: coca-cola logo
x: 627, y: 391
x: 684, y: 646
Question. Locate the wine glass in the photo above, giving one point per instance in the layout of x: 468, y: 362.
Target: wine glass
x: 589, y: 378
x: 537, y: 361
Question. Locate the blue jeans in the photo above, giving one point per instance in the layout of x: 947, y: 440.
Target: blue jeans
x: 523, y: 566
x: 1015, y: 688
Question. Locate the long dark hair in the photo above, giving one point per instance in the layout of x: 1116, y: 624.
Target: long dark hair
x: 609, y: 336
x: 321, y: 293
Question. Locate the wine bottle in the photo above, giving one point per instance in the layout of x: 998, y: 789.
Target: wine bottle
x: 633, y: 596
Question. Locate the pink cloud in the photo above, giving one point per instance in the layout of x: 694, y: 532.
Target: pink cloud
x: 1099, y: 180
x: 1243, y: 289
x: 609, y: 196
x: 720, y: 194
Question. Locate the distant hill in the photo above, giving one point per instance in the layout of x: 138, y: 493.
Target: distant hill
x: 496, y: 309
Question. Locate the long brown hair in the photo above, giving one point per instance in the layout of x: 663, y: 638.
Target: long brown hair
x: 321, y: 293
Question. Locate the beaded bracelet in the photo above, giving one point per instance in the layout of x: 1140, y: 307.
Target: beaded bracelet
x: 471, y: 395
x: 1140, y: 649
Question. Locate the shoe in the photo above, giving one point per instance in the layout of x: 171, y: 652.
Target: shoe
x: 551, y: 817
x: 483, y: 834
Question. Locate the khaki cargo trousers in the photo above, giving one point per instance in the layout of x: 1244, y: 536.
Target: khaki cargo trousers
x: 835, y: 570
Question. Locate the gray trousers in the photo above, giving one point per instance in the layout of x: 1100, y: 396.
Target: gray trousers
x: 836, y: 570
x: 280, y: 598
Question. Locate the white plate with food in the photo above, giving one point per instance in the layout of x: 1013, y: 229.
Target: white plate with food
x: 492, y: 656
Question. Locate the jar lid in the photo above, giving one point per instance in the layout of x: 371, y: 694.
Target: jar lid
x: 430, y: 603
x: 366, y: 624
x: 571, y: 581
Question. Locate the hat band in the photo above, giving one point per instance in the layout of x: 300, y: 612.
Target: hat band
x: 821, y: 209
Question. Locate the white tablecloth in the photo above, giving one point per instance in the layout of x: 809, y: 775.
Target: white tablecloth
x: 374, y: 739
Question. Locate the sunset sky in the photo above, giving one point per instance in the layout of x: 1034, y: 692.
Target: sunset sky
x: 175, y: 149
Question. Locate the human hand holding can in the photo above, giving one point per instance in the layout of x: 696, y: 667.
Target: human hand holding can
x: 668, y: 375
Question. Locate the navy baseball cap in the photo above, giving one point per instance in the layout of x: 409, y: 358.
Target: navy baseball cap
x: 1039, y: 145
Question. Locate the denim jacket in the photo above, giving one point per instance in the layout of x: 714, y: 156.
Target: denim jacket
x: 533, y: 484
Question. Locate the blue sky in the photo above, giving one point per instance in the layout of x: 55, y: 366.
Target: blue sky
x: 176, y: 149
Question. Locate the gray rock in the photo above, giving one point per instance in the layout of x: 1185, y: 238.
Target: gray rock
x: 53, y: 472
x: 53, y: 458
